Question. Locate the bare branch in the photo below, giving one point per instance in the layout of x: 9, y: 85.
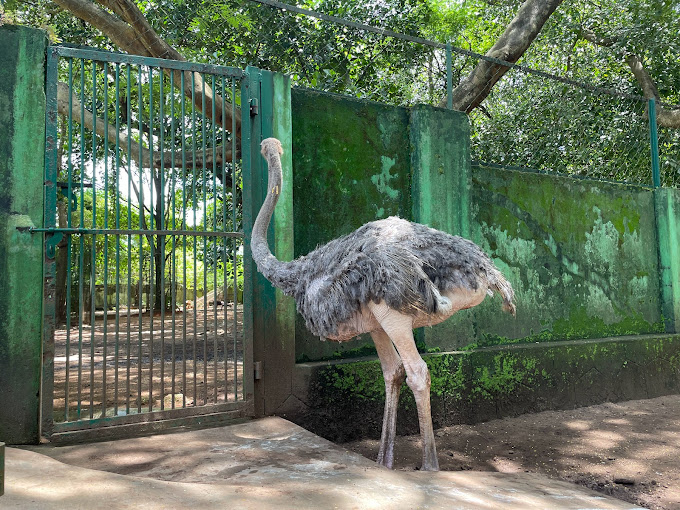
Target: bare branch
x: 664, y: 117
x: 594, y: 38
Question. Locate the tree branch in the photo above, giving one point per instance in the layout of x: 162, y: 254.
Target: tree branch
x: 120, y: 33
x: 594, y: 38
x: 664, y: 116
x: 511, y: 45
x: 133, y: 34
x: 69, y: 105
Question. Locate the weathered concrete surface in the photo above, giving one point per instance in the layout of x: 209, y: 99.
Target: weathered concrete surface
x: 269, y: 463
x: 581, y: 256
x: 667, y: 207
x: 441, y: 189
x: 22, y: 158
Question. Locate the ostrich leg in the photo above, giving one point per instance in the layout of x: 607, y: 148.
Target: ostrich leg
x: 399, y: 328
x: 394, y: 375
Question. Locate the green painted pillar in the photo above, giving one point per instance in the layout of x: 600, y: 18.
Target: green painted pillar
x: 667, y: 205
x: 22, y: 159
x: 441, y: 186
x: 440, y: 166
x: 273, y: 313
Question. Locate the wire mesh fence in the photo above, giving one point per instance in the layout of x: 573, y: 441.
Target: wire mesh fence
x: 530, y: 120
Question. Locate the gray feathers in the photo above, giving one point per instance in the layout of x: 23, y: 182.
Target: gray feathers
x: 404, y: 264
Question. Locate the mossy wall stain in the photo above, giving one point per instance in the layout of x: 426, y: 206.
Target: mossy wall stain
x: 347, y: 399
x: 581, y: 255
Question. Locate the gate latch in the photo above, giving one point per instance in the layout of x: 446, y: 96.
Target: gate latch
x: 254, y: 107
x: 51, y: 242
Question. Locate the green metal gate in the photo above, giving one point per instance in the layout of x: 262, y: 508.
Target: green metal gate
x: 147, y: 300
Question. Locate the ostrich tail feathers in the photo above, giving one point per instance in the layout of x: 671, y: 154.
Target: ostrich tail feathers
x: 498, y: 283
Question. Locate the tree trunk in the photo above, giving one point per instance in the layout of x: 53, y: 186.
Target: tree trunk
x: 664, y: 117
x: 516, y: 38
x: 159, y: 277
x: 61, y: 261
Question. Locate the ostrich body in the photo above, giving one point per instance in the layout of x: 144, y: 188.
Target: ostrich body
x: 385, y: 278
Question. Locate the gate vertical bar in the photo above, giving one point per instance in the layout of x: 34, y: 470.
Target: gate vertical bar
x: 449, y: 77
x: 213, y: 130
x: 93, y: 258
x: 194, y: 247
x: 81, y: 246
x: 128, y: 336
x: 141, y: 243
x: 106, y: 244
x: 117, y: 224
x: 184, y: 243
x: 250, y: 137
x: 205, y: 227
x: 173, y: 263
x: 50, y: 212
x: 153, y: 240
x: 224, y: 226
x: 69, y: 212
x: 233, y: 244
x: 161, y: 226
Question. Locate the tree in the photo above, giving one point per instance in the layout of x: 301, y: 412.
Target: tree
x: 191, y: 24
x: 632, y: 39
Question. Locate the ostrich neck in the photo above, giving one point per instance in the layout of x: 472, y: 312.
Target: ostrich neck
x: 268, y: 265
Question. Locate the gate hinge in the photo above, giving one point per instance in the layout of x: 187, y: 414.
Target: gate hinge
x: 257, y: 370
x: 254, y: 107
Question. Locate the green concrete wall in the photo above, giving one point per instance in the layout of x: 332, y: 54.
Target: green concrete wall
x: 441, y: 191
x: 667, y: 205
x: 22, y: 158
x: 581, y: 256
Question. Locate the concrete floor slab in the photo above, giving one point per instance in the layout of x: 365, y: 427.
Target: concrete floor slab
x: 263, y: 464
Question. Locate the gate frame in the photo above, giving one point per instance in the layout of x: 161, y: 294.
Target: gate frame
x: 273, y: 314
x: 268, y: 98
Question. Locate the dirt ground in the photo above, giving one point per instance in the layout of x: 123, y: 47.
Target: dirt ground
x: 629, y: 450
x: 131, y: 364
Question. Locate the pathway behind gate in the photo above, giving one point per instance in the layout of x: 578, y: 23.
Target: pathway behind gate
x: 264, y: 464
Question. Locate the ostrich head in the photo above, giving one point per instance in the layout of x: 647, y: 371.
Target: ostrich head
x: 269, y: 147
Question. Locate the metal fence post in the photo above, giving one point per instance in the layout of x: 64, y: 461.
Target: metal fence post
x: 654, y: 143
x: 449, y: 78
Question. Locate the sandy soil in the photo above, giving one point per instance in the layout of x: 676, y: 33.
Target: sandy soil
x: 629, y: 450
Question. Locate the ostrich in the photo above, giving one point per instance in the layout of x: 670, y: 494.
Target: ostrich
x: 386, y: 278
